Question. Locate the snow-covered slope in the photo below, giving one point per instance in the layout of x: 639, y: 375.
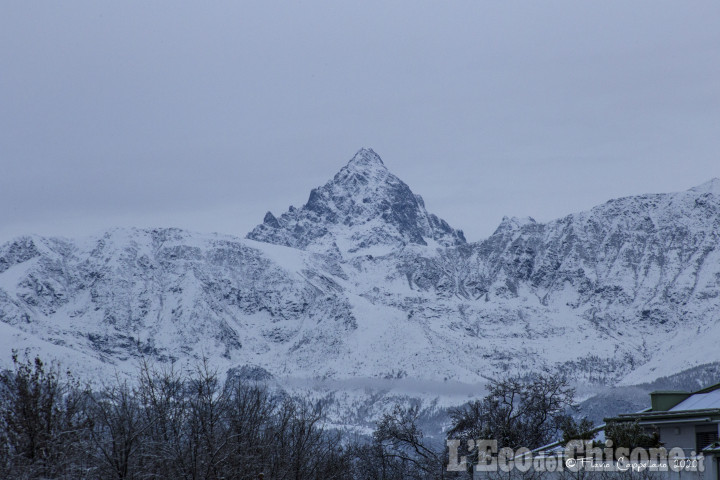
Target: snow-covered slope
x: 364, y: 209
x: 362, y: 291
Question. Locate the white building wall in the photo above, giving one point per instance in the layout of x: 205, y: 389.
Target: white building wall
x: 682, y: 436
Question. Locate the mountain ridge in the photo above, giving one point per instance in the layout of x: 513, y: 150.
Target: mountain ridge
x: 599, y: 295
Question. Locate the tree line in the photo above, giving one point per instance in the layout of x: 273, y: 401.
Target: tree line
x: 169, y: 424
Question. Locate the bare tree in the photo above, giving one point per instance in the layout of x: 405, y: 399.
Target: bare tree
x: 42, y: 429
x: 117, y: 436
x: 161, y: 397
x: 401, y: 438
x: 518, y: 411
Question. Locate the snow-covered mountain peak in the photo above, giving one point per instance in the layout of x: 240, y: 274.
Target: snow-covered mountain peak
x: 365, y: 179
x: 711, y: 186
x: 366, y: 158
x: 363, y: 209
x: 515, y: 222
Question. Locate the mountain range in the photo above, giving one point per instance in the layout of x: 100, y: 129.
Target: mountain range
x: 361, y: 296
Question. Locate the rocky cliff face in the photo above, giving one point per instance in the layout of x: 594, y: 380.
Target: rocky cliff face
x: 362, y: 208
x: 362, y: 285
x: 168, y: 295
x: 646, y: 257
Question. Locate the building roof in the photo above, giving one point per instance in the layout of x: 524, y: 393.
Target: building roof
x: 698, y: 401
x: 678, y: 406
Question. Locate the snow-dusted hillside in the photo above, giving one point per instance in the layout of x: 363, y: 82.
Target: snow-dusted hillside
x: 362, y: 290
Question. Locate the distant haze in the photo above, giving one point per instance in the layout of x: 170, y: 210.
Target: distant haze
x: 204, y: 116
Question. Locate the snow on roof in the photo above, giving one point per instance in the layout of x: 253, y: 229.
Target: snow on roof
x: 699, y: 400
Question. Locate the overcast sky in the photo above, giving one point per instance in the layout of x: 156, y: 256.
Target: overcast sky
x: 206, y: 115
